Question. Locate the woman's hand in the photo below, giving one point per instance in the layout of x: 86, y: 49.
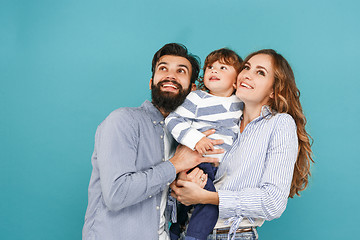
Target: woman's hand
x: 196, y: 176
x: 189, y: 193
x: 186, y: 192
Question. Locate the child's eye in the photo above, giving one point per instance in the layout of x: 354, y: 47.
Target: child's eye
x: 223, y: 68
x: 261, y: 72
x: 210, y: 67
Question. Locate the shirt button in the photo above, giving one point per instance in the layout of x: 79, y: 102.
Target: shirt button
x: 150, y: 196
x: 154, y: 122
x: 157, y: 208
x: 162, y: 122
x: 161, y: 136
x: 168, y: 184
x: 163, y: 159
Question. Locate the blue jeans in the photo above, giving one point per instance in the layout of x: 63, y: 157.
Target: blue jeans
x: 224, y: 236
x: 253, y: 235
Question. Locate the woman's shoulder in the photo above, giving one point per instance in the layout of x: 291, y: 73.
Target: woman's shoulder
x: 283, y: 120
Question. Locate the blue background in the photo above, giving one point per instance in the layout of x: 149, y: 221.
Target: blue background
x: 65, y: 65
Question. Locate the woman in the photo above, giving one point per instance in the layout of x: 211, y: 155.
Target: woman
x: 270, y: 160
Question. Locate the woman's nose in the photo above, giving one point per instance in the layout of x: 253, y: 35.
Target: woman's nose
x: 247, y: 76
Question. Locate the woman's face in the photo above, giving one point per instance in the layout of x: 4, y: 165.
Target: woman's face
x: 255, y: 81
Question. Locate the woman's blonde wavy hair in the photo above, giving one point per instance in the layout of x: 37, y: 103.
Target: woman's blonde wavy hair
x: 287, y: 100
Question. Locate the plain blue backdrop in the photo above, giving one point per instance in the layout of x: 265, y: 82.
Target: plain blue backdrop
x: 65, y: 65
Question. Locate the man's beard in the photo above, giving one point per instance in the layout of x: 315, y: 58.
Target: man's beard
x: 168, y: 101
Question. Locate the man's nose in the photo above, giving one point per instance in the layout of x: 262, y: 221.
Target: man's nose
x: 171, y: 75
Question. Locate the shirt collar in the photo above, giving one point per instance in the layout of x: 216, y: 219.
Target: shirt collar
x: 154, y: 113
x: 266, y: 111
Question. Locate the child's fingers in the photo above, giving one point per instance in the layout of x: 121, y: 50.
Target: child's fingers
x: 209, y: 132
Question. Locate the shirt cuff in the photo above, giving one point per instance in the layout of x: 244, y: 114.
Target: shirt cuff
x: 167, y: 172
x: 191, y: 138
x: 229, y: 204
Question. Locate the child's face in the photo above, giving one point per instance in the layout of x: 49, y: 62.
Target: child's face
x: 220, y: 79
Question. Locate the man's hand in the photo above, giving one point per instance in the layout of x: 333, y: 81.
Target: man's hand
x: 185, y: 158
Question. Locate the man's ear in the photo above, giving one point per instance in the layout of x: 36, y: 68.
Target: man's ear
x: 150, y: 83
x: 193, y: 87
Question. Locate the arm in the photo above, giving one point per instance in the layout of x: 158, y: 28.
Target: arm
x: 189, y: 193
x: 178, y: 122
x: 269, y: 200
x: 123, y: 184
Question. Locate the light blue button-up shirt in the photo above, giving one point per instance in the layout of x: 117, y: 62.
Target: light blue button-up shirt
x: 128, y: 177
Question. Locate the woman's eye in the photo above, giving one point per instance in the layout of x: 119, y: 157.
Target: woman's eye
x: 246, y: 67
x: 260, y: 72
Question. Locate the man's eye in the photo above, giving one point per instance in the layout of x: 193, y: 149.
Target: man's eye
x: 162, y: 68
x: 181, y: 71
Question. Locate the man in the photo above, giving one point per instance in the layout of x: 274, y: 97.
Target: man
x: 130, y: 178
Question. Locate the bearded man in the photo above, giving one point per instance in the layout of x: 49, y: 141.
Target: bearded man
x: 134, y: 161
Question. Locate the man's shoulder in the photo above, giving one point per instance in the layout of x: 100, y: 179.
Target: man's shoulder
x: 125, y: 115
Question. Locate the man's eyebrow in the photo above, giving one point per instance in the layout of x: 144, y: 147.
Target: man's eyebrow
x: 162, y: 63
x: 182, y: 65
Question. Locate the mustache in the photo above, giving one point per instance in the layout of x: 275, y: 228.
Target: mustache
x: 178, y: 85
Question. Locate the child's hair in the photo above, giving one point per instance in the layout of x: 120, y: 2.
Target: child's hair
x: 287, y: 100
x: 224, y: 56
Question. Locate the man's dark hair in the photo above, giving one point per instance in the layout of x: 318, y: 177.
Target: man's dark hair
x: 177, y: 49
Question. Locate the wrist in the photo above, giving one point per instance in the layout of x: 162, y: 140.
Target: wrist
x: 210, y: 198
x: 174, y: 162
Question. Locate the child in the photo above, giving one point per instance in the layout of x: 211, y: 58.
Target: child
x: 214, y: 108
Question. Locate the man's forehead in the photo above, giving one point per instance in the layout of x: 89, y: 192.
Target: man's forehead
x: 174, y: 60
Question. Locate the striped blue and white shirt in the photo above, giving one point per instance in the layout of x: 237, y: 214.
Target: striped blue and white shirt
x: 256, y: 173
x: 202, y: 111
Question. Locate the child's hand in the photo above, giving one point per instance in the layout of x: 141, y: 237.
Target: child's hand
x: 204, y: 145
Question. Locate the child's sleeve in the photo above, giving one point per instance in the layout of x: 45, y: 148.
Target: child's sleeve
x: 179, y: 122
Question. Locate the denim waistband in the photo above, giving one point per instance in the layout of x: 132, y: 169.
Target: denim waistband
x: 241, y: 233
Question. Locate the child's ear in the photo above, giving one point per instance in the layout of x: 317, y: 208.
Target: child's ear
x: 272, y: 95
x: 150, y: 83
x: 193, y: 87
x: 234, y: 85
